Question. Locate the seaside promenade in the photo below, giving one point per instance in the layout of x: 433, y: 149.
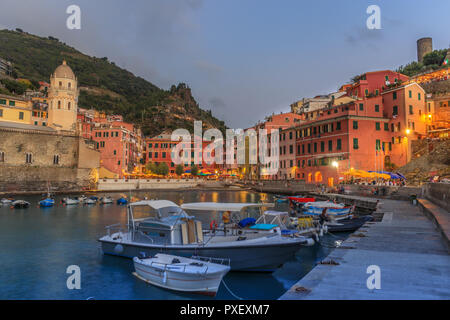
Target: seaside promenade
x: 411, y: 253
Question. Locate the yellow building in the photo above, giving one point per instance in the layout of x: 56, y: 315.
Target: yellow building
x: 63, y: 99
x: 14, y: 109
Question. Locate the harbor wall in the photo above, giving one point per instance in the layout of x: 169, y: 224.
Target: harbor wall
x: 439, y: 194
x: 145, y: 184
x: 33, y: 159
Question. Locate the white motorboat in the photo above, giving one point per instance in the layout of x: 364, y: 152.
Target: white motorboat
x: 155, y: 226
x: 335, y: 211
x: 20, y: 204
x: 194, y: 275
x: 71, y: 201
x: 106, y: 200
x: 6, y: 200
x: 91, y: 200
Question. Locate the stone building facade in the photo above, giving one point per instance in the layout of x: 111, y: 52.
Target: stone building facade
x: 30, y: 159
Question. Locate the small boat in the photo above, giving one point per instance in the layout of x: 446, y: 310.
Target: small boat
x: 106, y: 200
x: 20, y: 204
x: 336, y: 211
x: 71, y: 201
x: 90, y: 200
x: 281, y: 199
x: 47, y: 202
x: 195, y: 275
x: 6, y: 200
x: 348, y: 225
x: 122, y: 201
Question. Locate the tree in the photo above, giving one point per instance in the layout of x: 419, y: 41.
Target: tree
x: 151, y: 167
x: 163, y: 169
x: 179, y: 170
x: 194, y: 170
x: 434, y: 57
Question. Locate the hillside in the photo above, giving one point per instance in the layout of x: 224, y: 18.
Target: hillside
x: 430, y: 158
x: 105, y: 86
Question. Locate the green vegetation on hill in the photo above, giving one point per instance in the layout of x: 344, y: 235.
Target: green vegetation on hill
x: 431, y: 61
x: 104, y: 86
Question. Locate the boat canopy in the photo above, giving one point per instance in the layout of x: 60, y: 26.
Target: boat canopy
x: 220, y: 206
x: 155, y: 204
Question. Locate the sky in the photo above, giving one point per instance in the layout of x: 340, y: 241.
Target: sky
x: 243, y: 59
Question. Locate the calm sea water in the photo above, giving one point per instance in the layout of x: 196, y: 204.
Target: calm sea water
x: 38, y: 244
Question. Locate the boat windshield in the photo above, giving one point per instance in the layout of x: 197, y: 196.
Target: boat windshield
x: 167, y: 214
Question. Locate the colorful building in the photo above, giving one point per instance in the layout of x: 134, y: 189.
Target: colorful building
x: 158, y: 149
x: 372, y: 132
x: 15, y: 109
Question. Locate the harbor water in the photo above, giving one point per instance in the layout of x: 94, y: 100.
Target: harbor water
x: 39, y: 244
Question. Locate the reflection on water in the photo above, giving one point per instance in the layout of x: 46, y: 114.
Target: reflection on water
x: 38, y: 244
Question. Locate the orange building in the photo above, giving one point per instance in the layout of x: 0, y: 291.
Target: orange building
x: 370, y: 133
x: 159, y: 149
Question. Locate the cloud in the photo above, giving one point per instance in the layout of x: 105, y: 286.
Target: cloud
x: 217, y: 103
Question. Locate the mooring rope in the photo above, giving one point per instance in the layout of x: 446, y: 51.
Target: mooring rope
x: 229, y: 290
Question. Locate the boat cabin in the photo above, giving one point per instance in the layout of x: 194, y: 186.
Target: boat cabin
x: 162, y: 222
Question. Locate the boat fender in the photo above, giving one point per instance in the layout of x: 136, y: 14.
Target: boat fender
x: 165, y: 277
x: 310, y: 242
x: 118, y: 249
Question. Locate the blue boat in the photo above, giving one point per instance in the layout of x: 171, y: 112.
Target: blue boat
x: 48, y: 202
x: 334, y: 210
x: 122, y: 201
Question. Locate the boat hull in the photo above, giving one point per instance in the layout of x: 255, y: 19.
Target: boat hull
x: 260, y: 258
x: 207, y: 284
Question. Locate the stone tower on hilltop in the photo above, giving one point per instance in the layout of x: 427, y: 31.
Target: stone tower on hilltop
x: 424, y: 46
x: 63, y: 99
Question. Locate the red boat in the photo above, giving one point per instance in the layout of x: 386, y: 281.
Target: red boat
x: 302, y: 200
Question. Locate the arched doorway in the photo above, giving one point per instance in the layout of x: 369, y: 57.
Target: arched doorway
x: 318, y: 176
x: 331, y: 182
x: 309, y: 177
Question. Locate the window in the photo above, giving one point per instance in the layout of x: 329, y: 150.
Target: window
x: 164, y: 155
x: 20, y: 115
x: 290, y: 135
x: 3, y: 101
x: 28, y: 158
x: 156, y: 154
x: 377, y: 126
x: 60, y: 84
x: 322, y: 146
x: 315, y: 147
x: 68, y: 105
x: 2, y: 156
x: 1, y: 112
x: 69, y: 85
x: 395, y: 110
x: 59, y: 104
x: 418, y: 96
x: 361, y: 106
x: 386, y: 78
x: 330, y: 145
x: 291, y: 149
x: 410, y: 93
x: 114, y: 152
x: 411, y: 110
x: 149, y: 145
x: 156, y: 145
x: 56, y: 159
x: 366, y: 92
x: 377, y: 145
x: 338, y: 126
x: 390, y: 146
x: 377, y: 108
x: 309, y: 147
x: 339, y: 144
x: 355, y: 143
x: 394, y: 96
x: 13, y: 103
x: 386, y: 127
x: 355, y: 124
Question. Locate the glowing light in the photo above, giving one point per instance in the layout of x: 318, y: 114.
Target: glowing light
x: 408, y: 131
x: 335, y: 164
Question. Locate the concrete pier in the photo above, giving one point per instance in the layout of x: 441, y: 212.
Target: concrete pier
x: 407, y: 247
